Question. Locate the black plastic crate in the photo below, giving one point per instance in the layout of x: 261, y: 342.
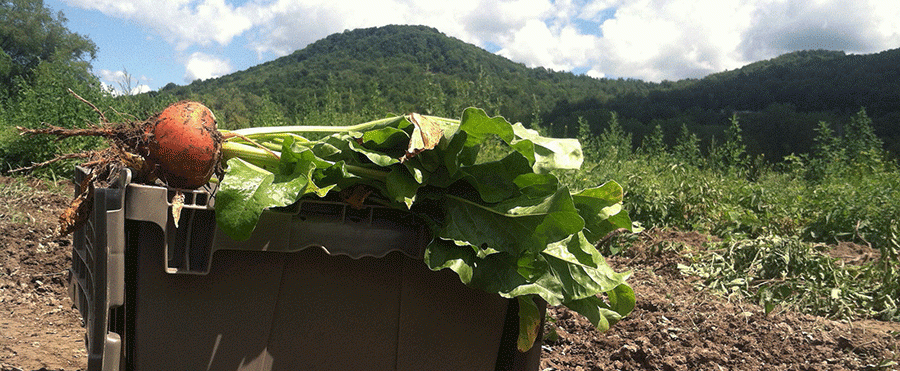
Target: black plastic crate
x: 319, y: 285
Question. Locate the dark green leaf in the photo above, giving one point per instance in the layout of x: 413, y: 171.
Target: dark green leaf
x: 479, y: 127
x: 495, y: 181
x: 514, y: 226
x: 388, y: 138
x: 594, y: 310
x: 401, y: 186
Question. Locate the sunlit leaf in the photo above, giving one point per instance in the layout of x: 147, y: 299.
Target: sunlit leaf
x: 529, y: 323
x: 426, y: 135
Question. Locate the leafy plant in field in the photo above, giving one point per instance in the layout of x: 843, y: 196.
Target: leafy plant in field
x: 828, y: 154
x: 687, y: 147
x: 654, y: 145
x: 614, y: 142
x: 863, y: 147
x: 859, y: 152
x: 853, y: 208
x: 731, y: 156
x: 503, y: 224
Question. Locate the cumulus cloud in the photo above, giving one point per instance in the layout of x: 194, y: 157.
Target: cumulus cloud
x: 288, y: 25
x: 204, y: 66
x: 660, y: 40
x: 117, y: 91
x: 560, y: 48
x: 595, y: 74
x: 856, y: 27
x: 647, y: 39
x: 181, y: 22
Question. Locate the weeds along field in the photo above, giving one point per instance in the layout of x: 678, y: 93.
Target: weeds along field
x: 777, y: 223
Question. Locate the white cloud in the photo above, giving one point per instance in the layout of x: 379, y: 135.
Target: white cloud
x: 595, y: 74
x: 116, y: 90
x: 142, y: 88
x: 558, y: 48
x: 657, y: 40
x: 111, y: 76
x: 671, y: 40
x: 647, y: 39
x: 204, y: 66
x: 856, y: 27
x: 181, y: 22
x: 288, y: 25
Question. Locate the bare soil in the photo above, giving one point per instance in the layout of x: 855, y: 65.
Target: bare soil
x: 678, y: 326
x: 39, y: 327
x: 675, y: 326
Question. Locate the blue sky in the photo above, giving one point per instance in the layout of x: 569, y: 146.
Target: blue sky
x: 177, y: 41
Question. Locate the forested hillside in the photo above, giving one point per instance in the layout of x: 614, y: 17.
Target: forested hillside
x: 391, y: 69
x: 779, y: 101
x: 395, y: 69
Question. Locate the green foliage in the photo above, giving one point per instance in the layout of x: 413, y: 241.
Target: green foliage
x: 30, y: 35
x: 780, y: 100
x: 614, y: 142
x: 863, y: 148
x: 268, y: 114
x: 687, y: 147
x: 46, y: 100
x: 654, y: 145
x: 827, y: 157
x: 775, y: 221
x: 731, y: 156
x: 887, y: 272
x: 39, y: 60
x: 853, y: 207
x: 856, y: 154
x: 589, y: 141
x: 393, y: 70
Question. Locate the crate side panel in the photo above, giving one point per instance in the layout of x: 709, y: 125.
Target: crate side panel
x: 336, y: 313
x: 218, y: 321
x: 442, y: 321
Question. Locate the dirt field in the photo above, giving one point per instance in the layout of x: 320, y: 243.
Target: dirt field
x: 674, y: 327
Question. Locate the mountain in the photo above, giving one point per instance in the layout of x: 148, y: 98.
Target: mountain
x: 779, y: 101
x: 362, y: 74
x: 816, y: 80
x: 395, y: 69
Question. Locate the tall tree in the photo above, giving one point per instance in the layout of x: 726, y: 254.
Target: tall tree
x: 30, y: 34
